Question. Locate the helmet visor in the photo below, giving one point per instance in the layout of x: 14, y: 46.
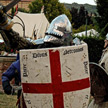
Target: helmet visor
x: 52, y: 39
x: 59, y: 26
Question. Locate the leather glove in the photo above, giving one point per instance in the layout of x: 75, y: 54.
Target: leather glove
x: 7, y: 88
x: 5, y: 22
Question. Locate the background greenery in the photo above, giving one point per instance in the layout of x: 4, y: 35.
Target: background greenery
x: 52, y: 8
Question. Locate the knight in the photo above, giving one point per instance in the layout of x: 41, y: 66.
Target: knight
x: 58, y: 34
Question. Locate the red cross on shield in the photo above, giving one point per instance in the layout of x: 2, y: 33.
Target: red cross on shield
x: 62, y: 85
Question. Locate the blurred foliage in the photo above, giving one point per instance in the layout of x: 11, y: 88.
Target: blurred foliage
x: 102, y: 19
x: 22, y: 10
x: 83, y: 28
x: 80, y: 17
x: 52, y: 8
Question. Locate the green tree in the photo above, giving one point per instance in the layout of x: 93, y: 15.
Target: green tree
x: 102, y: 19
x: 52, y: 8
x: 22, y: 10
x: 74, y: 13
x: 80, y: 17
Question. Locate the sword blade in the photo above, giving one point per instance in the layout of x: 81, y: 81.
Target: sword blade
x: 10, y: 5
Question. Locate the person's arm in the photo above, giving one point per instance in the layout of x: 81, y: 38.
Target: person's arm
x: 13, y: 40
x: 7, y: 77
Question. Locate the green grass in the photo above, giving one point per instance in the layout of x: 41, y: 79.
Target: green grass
x: 8, y: 101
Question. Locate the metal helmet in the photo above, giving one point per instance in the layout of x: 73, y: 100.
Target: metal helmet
x: 59, y: 31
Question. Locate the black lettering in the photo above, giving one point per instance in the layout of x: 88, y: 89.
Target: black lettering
x: 36, y: 55
x: 25, y: 71
x: 72, y: 51
x: 85, y: 66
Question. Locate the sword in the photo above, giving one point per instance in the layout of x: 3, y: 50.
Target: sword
x: 10, y: 5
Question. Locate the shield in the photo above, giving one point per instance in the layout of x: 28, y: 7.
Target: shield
x: 99, y: 82
x: 55, y: 77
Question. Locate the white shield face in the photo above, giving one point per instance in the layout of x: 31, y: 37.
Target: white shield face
x: 56, y: 77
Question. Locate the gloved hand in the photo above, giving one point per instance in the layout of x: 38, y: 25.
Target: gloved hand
x: 5, y: 22
x: 7, y: 88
